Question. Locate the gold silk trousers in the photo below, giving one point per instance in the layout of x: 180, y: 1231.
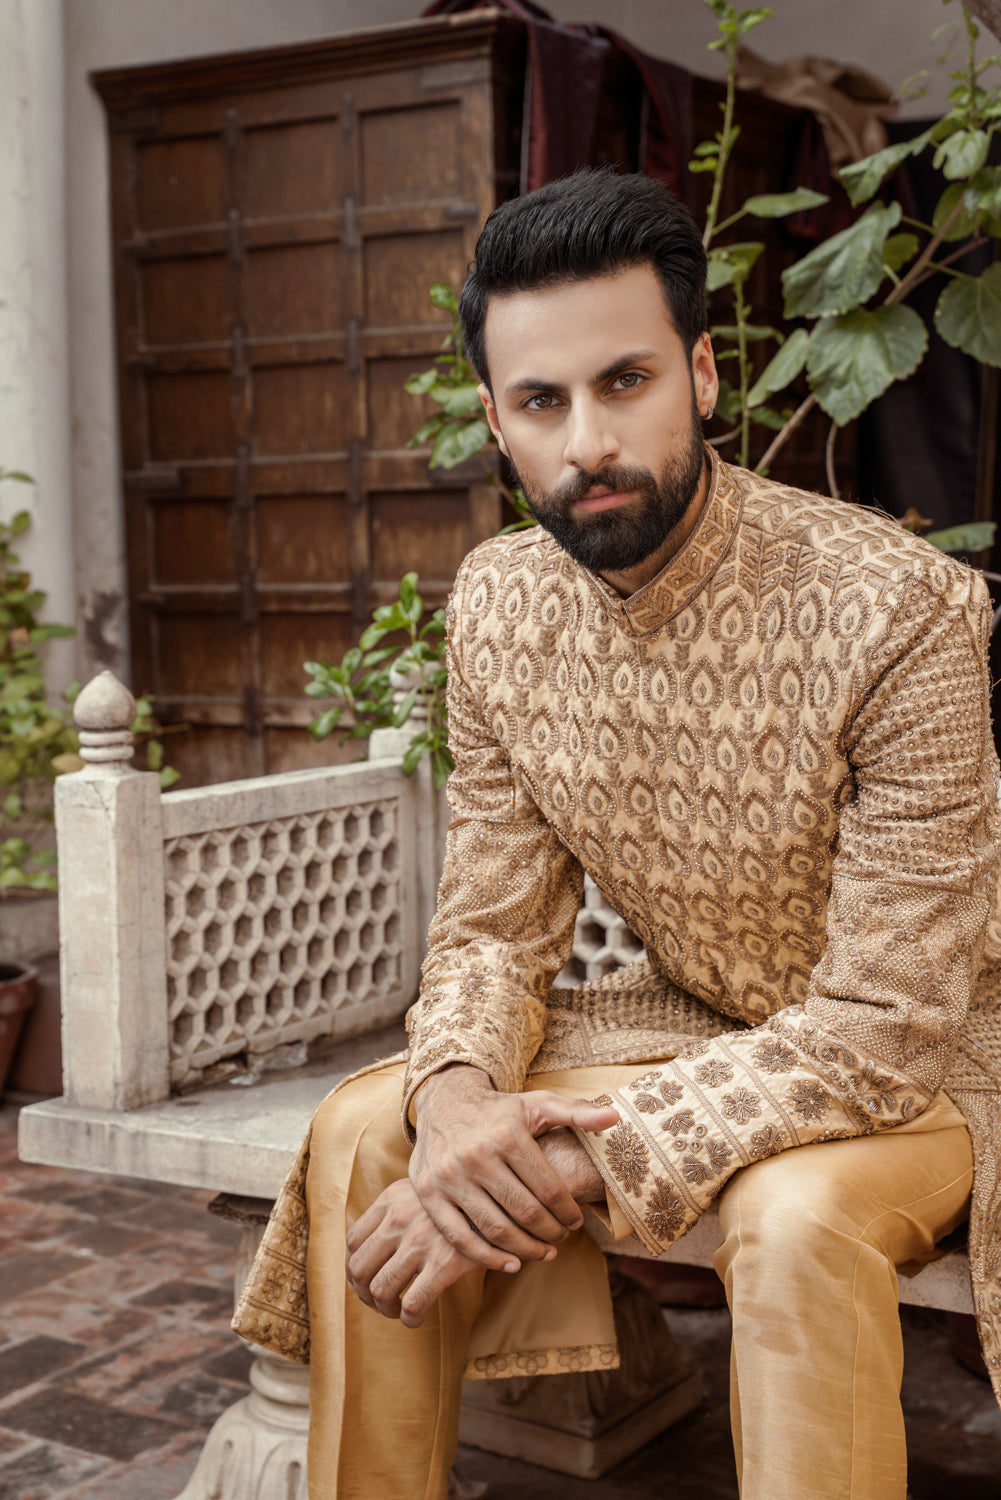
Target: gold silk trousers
x: 811, y: 1241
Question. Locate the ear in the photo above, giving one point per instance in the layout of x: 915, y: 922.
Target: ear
x: 483, y: 391
x: 704, y: 373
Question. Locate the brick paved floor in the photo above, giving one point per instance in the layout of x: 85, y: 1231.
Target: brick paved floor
x: 115, y: 1359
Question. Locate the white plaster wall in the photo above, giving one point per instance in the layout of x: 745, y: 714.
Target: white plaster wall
x: 890, y: 37
x: 34, y: 385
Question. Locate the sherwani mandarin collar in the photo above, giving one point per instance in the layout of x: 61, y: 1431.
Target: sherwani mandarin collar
x: 689, y: 571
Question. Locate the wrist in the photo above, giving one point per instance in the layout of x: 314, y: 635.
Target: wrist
x: 456, y: 1079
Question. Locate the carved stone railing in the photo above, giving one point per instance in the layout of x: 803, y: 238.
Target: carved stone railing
x: 221, y: 923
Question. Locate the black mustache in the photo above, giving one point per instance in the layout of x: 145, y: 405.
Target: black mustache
x: 582, y: 481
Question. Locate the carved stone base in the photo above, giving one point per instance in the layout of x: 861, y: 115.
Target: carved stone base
x: 257, y: 1449
x: 584, y: 1424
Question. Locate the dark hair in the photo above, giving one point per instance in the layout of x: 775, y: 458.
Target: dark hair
x: 593, y: 223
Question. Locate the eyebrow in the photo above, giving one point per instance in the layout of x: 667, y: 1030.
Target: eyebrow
x: 529, y: 384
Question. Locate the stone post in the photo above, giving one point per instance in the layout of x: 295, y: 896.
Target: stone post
x: 111, y: 913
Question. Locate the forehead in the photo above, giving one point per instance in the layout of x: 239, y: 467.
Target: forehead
x: 562, y: 333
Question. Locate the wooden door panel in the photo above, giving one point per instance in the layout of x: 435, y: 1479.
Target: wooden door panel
x: 295, y: 167
x: 393, y: 414
x: 400, y: 268
x: 300, y: 539
x: 186, y: 301
x: 427, y: 533
x: 190, y: 416
x: 192, y: 544
x: 199, y: 656
x: 295, y: 289
x: 181, y: 183
x: 411, y: 155
x: 302, y: 409
x: 288, y: 640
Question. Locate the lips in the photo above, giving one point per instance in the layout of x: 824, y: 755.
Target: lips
x: 607, y: 500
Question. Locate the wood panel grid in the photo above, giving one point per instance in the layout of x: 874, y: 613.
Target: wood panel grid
x: 277, y: 221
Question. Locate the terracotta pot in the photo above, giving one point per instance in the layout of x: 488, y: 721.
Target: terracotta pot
x: 18, y: 988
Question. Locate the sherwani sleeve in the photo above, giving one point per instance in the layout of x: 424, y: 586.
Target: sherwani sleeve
x: 507, y: 904
x: 907, y: 913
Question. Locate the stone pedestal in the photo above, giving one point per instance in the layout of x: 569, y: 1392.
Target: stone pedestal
x: 584, y: 1424
x: 257, y: 1448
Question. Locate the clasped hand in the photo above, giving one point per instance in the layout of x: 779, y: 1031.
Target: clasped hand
x: 484, y: 1189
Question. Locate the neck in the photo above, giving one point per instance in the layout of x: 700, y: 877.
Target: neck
x: 628, y: 581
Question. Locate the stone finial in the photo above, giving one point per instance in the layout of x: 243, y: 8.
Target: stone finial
x: 103, y: 712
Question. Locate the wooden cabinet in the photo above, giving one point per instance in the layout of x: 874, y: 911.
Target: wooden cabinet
x: 278, y: 218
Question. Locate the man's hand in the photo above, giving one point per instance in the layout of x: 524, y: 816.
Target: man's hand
x: 479, y: 1172
x: 395, y: 1242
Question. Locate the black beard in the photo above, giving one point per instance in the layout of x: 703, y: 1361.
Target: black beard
x: 615, y: 540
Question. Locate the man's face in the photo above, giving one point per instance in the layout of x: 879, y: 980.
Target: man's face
x: 597, y: 403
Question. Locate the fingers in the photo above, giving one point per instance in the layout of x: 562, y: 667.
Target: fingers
x: 427, y: 1287
x: 458, y: 1230
x: 547, y: 1111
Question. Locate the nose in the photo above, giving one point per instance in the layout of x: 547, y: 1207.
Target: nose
x: 590, y: 442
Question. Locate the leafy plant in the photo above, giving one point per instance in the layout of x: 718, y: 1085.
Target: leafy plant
x: 37, y: 739
x: 370, y: 675
x: 459, y: 430
x: 858, y: 336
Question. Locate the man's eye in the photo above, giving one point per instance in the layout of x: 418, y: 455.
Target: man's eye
x: 628, y: 380
x: 544, y: 401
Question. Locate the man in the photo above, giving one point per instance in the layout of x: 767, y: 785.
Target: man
x: 759, y: 720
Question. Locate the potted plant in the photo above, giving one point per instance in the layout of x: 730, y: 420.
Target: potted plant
x: 38, y: 742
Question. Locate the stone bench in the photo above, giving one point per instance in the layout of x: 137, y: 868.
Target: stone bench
x: 228, y: 954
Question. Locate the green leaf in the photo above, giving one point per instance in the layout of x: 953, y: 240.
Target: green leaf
x: 899, y: 249
x: 168, y: 776
x: 443, y: 296
x: 973, y: 537
x: 774, y: 420
x: 707, y: 148
x: 853, y: 358
x: 405, y: 709
x: 428, y: 429
x: 731, y: 264
x: 862, y: 178
x: 707, y: 164
x: 980, y: 199
x: 22, y: 520
x: 779, y: 205
x: 326, y: 723
x: 968, y: 315
x: 781, y: 369
x: 752, y: 333
x: 154, y: 755
x: 442, y: 766
x: 457, y: 443
x: 458, y: 400
x: 415, y: 750
x: 419, y: 385
x: 408, y: 592
x: 962, y: 154
x: 842, y: 272
x: 372, y: 635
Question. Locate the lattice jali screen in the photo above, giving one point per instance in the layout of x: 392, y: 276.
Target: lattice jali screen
x: 276, y: 929
x: 602, y: 941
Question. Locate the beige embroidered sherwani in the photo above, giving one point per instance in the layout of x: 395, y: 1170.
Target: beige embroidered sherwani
x: 775, y: 762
